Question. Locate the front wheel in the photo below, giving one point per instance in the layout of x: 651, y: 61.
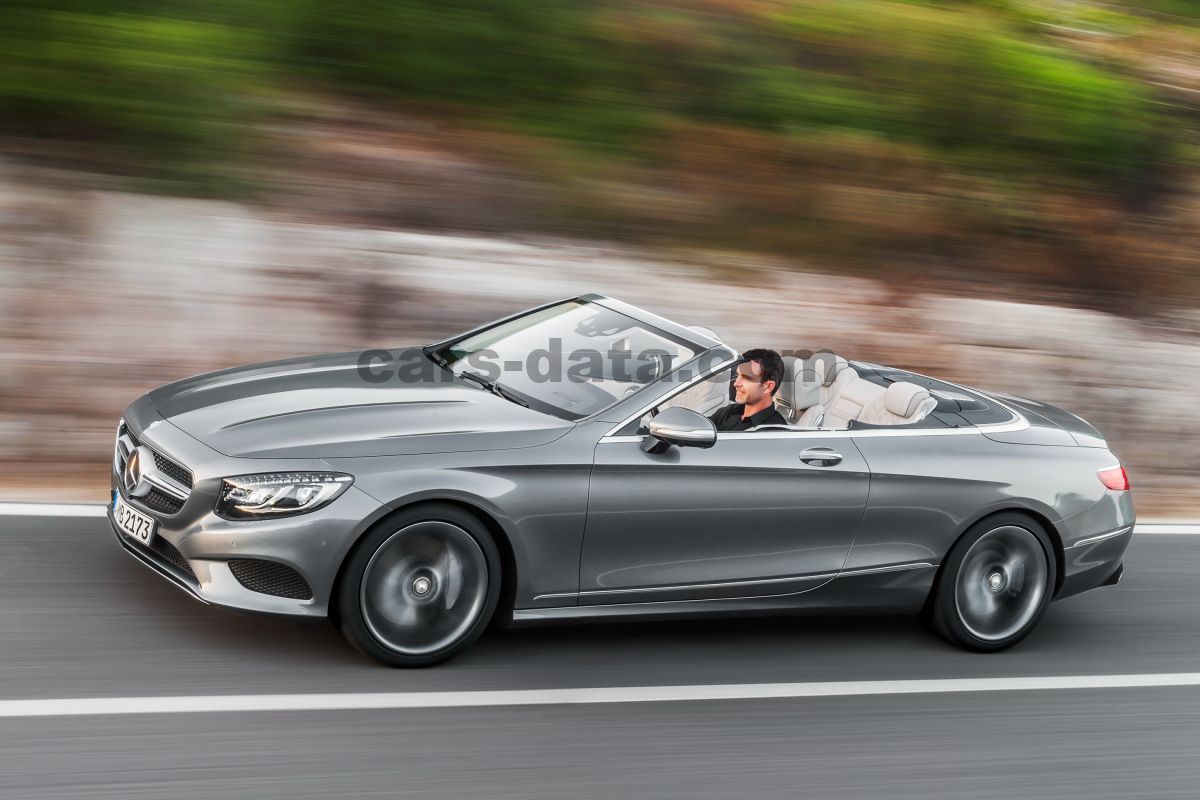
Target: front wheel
x: 995, y: 584
x: 421, y: 588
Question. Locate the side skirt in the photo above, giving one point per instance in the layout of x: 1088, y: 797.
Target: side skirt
x: 902, y: 588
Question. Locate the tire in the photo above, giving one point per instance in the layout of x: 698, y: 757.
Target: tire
x: 421, y: 588
x: 995, y: 584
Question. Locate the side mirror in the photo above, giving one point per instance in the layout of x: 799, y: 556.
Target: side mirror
x: 679, y: 426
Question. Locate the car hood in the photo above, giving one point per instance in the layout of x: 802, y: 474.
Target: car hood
x: 322, y: 407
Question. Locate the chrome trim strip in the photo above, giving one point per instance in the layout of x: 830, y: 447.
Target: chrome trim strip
x: 829, y: 577
x: 167, y: 484
x: 766, y: 433
x: 122, y: 447
x: 693, y: 435
x: 628, y: 438
x: 1101, y: 537
x: 718, y: 585
x: 617, y: 611
x: 724, y: 584
x: 893, y: 568
x: 555, y: 596
x: 827, y: 433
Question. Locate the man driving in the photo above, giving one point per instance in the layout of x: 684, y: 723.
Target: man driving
x: 758, y: 377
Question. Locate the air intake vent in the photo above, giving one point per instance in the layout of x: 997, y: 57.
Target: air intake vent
x: 160, y: 501
x: 270, y: 577
x: 167, y: 552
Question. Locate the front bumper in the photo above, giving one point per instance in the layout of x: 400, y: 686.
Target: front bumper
x: 207, y: 556
x: 156, y: 562
x: 197, y: 556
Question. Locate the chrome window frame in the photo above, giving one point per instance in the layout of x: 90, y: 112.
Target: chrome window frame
x: 1018, y: 423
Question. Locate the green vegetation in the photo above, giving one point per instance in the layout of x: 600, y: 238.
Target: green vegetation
x: 993, y: 134
x: 169, y: 91
x: 179, y: 82
x: 957, y: 83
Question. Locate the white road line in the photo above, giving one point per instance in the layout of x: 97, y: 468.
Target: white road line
x: 93, y: 706
x: 1181, y: 527
x: 52, y: 510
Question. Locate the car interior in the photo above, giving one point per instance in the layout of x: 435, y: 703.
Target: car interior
x: 823, y: 393
x: 830, y: 394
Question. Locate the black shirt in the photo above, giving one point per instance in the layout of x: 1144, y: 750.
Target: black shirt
x: 729, y: 418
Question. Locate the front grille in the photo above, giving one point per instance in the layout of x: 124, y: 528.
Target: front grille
x: 156, y: 499
x: 167, y: 552
x: 174, y: 469
x: 270, y: 577
x: 160, y: 501
x: 181, y: 474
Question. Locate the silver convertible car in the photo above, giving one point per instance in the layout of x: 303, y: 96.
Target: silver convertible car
x: 560, y: 465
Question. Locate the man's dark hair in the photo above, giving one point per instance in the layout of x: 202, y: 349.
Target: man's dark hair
x: 771, y: 363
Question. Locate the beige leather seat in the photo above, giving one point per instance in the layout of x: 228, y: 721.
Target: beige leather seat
x: 798, y: 395
x: 900, y: 404
x: 833, y: 373
x: 853, y: 396
x: 813, y: 417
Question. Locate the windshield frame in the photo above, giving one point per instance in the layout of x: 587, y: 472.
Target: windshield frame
x: 697, y: 343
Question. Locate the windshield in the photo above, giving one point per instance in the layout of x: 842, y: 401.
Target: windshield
x: 571, y: 359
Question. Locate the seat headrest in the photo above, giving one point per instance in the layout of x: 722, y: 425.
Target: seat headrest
x: 797, y: 391
x: 903, y: 399
x: 828, y: 367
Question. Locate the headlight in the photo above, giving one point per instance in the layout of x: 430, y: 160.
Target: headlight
x: 279, y: 494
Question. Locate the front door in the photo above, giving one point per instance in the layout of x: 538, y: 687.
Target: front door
x: 758, y: 514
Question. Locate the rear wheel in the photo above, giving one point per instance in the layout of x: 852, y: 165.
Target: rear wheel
x: 995, y: 584
x: 420, y: 589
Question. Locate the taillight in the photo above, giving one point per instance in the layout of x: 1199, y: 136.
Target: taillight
x: 1115, y: 478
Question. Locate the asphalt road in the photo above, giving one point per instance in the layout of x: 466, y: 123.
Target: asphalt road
x: 80, y: 619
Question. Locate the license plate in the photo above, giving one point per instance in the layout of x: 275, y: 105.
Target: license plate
x: 134, y: 524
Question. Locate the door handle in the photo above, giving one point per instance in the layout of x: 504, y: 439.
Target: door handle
x: 821, y: 456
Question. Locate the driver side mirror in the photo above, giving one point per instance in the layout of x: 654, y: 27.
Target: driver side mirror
x: 679, y: 426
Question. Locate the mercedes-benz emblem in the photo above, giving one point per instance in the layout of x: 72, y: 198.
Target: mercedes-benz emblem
x: 132, y: 476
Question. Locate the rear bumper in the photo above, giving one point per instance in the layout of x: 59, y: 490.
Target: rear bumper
x: 1094, y: 542
x: 1094, y: 561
